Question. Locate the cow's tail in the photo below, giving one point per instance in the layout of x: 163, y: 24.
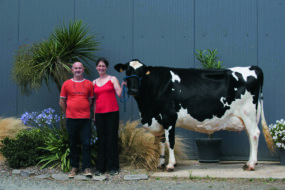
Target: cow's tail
x: 265, y: 130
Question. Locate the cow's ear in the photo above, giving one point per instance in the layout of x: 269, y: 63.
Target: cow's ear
x: 148, y: 70
x: 120, y: 67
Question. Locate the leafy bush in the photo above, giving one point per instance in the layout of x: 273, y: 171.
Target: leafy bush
x: 208, y: 59
x: 56, y: 142
x: 57, y: 149
x: 22, y: 151
x: 44, y: 144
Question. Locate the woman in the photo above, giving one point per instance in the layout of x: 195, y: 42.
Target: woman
x: 106, y: 115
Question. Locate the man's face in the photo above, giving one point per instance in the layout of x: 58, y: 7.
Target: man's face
x: 77, y: 69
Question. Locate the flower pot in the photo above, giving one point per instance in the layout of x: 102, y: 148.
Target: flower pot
x: 282, y: 156
x: 209, y: 149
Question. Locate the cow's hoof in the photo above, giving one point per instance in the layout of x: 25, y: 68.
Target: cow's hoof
x: 169, y: 169
x: 247, y: 168
x: 161, y: 166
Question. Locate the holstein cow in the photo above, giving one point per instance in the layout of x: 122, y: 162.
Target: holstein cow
x: 200, y: 100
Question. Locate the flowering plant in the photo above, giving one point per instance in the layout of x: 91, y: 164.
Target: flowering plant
x: 45, y: 118
x: 56, y: 141
x: 277, y: 132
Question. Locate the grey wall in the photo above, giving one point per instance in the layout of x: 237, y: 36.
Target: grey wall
x: 158, y: 32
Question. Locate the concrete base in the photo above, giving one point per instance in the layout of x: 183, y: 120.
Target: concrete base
x: 224, y: 169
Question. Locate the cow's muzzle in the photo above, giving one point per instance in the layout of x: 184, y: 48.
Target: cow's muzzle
x: 133, y: 92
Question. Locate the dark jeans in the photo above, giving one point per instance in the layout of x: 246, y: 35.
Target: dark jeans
x: 107, y: 125
x: 79, y: 129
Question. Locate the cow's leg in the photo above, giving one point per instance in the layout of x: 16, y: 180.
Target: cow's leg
x: 161, y: 162
x: 253, y: 135
x: 170, y: 141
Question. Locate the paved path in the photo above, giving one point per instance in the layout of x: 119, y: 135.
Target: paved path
x: 187, y: 175
x: 225, y: 169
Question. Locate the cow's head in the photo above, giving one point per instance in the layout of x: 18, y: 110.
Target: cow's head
x: 135, y: 71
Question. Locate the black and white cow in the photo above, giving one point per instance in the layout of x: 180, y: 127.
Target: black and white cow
x: 200, y: 100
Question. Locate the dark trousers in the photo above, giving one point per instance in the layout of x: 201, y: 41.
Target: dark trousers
x: 79, y: 131
x: 107, y: 125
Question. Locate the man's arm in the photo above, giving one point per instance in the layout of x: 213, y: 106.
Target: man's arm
x: 62, y: 103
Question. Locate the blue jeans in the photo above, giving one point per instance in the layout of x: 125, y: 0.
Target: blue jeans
x: 79, y: 128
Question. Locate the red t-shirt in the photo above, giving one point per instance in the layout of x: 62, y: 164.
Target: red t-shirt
x: 78, y: 95
x: 105, y: 98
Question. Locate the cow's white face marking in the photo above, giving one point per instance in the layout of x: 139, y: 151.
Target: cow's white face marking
x: 235, y: 89
x: 135, y: 64
x: 175, y: 77
x: 231, y: 120
x: 244, y: 71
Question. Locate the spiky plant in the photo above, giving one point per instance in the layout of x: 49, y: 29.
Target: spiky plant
x: 138, y: 148
x: 141, y: 149
x: 50, y: 60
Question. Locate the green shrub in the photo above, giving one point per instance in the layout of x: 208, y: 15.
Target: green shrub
x: 208, y: 59
x: 22, y: 151
x: 56, y: 146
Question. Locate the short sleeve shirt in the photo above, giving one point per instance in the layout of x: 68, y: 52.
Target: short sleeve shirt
x: 77, y: 96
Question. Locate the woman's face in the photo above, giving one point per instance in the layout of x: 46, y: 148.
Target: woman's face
x: 101, y: 67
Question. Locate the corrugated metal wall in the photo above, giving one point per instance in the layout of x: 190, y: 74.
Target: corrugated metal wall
x: 158, y: 32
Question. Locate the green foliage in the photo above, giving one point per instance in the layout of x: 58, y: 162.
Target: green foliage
x: 208, y: 59
x: 56, y: 146
x: 51, y: 59
x: 22, y: 151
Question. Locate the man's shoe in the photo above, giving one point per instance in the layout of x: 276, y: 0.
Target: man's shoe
x: 98, y: 173
x: 73, y: 172
x: 87, y: 172
x: 114, y: 172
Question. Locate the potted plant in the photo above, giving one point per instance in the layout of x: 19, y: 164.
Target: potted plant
x: 277, y: 132
x: 209, y: 149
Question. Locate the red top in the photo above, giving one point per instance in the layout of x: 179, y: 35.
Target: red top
x: 77, y: 94
x: 105, y: 98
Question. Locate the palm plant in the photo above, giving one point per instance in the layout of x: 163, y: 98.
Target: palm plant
x: 50, y: 60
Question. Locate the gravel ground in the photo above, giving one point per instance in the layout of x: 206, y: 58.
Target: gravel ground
x: 8, y: 181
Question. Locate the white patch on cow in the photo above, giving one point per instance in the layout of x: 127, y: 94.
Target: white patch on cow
x: 235, y: 89
x: 154, y: 127
x: 167, y: 133
x: 173, y: 89
x: 135, y: 64
x: 244, y: 71
x: 223, y: 101
x: 232, y: 120
x: 175, y: 77
x: 171, y: 161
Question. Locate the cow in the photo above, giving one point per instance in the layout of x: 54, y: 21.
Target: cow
x: 201, y: 100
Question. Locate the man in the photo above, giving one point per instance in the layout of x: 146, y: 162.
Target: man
x: 76, y: 99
